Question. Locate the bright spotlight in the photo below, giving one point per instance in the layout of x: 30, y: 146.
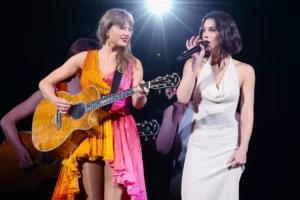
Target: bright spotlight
x: 159, y: 7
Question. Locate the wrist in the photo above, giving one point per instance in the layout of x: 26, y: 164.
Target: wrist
x: 53, y: 99
x: 243, y: 147
x: 20, y: 148
x: 140, y: 101
x: 197, y: 61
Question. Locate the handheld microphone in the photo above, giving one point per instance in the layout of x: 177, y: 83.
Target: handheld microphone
x: 191, y: 51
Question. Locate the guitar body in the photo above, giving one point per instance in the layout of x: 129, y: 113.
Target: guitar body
x: 59, y: 137
x: 13, y: 177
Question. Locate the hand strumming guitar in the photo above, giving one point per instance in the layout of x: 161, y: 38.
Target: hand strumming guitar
x: 62, y: 105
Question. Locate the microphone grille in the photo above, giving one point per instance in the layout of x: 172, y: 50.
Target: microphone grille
x: 204, y: 43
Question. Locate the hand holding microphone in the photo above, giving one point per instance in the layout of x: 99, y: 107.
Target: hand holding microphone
x: 196, y: 49
x: 192, y: 43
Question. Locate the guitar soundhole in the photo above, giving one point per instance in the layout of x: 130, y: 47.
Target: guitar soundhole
x: 78, y: 110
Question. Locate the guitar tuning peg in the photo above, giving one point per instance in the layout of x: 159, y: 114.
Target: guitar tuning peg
x: 146, y: 138
x: 153, y: 137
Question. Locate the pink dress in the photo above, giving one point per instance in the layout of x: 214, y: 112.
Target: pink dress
x: 128, y: 164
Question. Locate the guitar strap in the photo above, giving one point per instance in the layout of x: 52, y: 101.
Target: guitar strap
x: 115, y: 86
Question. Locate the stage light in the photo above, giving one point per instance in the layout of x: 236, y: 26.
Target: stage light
x: 159, y: 7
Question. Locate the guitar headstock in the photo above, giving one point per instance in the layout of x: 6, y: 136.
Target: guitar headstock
x: 148, y: 129
x: 167, y: 81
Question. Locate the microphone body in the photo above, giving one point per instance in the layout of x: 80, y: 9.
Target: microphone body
x: 191, y: 51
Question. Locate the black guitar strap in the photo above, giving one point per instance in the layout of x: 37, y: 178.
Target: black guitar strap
x: 115, y: 86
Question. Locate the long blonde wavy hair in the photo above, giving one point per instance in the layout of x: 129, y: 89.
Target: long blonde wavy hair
x: 117, y: 17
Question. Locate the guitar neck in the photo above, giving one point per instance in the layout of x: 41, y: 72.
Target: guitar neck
x: 106, y: 100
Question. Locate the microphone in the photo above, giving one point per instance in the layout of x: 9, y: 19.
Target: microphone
x: 191, y: 51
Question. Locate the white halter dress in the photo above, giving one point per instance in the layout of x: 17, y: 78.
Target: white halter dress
x: 215, y: 137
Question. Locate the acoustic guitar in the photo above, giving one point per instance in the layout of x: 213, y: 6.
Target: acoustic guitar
x: 15, y: 178
x: 59, y: 134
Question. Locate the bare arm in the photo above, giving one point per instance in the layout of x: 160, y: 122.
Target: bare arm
x: 65, y: 71
x: 9, y: 121
x: 247, y: 106
x: 186, y: 86
x: 246, y: 116
x: 191, y: 66
x: 138, y: 99
x: 21, y: 111
x: 168, y: 129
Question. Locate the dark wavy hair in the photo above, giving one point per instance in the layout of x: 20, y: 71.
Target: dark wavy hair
x: 81, y: 45
x: 230, y: 41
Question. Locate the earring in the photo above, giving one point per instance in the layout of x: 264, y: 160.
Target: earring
x: 107, y: 36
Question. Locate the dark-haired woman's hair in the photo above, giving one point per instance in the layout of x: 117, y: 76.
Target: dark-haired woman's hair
x: 81, y: 45
x: 230, y: 41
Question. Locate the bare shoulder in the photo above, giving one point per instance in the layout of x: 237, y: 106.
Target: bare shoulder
x: 244, y: 68
x: 79, y: 58
x: 137, y: 70
x: 138, y: 65
x: 81, y: 55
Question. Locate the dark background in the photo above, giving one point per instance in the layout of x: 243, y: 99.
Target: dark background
x: 36, y: 36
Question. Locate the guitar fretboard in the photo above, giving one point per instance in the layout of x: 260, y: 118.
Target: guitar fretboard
x: 108, y: 100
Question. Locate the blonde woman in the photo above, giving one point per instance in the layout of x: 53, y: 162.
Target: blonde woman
x: 110, y: 162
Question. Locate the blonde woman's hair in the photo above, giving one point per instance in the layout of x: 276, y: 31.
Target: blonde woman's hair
x: 117, y: 17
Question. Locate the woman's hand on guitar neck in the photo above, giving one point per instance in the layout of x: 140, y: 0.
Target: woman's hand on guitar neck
x: 170, y: 92
x: 62, y: 105
x: 140, y: 97
x: 141, y: 90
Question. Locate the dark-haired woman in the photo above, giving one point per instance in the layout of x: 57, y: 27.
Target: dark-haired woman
x: 216, y: 152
